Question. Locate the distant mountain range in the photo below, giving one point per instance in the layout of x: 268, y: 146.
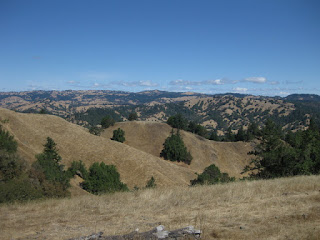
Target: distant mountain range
x: 219, y: 111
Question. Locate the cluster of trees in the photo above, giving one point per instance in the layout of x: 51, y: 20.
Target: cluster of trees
x: 282, y: 154
x: 212, y: 175
x: 179, y: 122
x: 20, y: 182
x: 108, y: 121
x: 252, y: 132
x: 175, y: 150
x: 46, y: 177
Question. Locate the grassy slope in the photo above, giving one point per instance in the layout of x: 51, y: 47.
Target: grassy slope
x: 75, y: 143
x: 287, y: 208
x: 150, y: 136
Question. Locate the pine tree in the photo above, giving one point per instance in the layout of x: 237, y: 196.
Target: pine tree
x: 48, y: 162
x: 175, y: 150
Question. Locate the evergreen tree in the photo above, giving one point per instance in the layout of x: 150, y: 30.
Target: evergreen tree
x: 298, y: 154
x: 48, y: 162
x: 175, y: 150
x: 252, y: 131
x: 11, y: 165
x: 118, y: 135
x: 240, y: 136
x: 229, y: 137
x: 214, y: 135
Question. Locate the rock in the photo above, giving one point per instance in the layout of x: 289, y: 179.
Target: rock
x: 157, y: 233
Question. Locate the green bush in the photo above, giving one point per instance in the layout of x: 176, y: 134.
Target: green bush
x: 11, y: 165
x: 178, y: 121
x: 103, y: 179
x: 19, y: 189
x: 107, y: 121
x: 118, y: 135
x: 7, y: 142
x: 95, y: 130
x: 78, y: 167
x: 133, y: 116
x: 212, y: 175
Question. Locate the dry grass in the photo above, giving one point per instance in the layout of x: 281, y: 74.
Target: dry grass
x: 286, y: 208
x: 75, y: 143
x: 230, y: 157
x: 136, y: 160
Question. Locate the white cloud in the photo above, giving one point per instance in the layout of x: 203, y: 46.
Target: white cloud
x: 72, y: 82
x: 240, y: 90
x: 255, y: 79
x: 283, y: 93
x: 294, y: 82
x: 147, y: 83
x: 181, y: 82
x: 215, y: 82
x: 274, y: 83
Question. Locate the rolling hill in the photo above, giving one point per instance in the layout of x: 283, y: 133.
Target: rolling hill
x: 230, y: 157
x: 135, y: 164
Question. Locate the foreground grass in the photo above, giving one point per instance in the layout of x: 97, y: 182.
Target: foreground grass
x: 287, y: 208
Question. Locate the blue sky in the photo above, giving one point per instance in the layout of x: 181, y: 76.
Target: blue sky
x: 269, y: 47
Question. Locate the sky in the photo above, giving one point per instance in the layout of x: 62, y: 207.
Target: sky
x: 260, y: 47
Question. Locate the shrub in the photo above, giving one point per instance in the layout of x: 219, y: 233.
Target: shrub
x: 11, y: 166
x: 118, y: 135
x: 95, y: 130
x: 212, y: 175
x: 78, y: 168
x: 19, y: 189
x: 133, y: 116
x: 151, y: 183
x: 107, y: 121
x: 7, y: 142
x: 103, y: 179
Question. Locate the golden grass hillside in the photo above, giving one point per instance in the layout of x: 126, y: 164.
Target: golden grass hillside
x: 287, y: 208
x: 230, y: 157
x: 75, y: 143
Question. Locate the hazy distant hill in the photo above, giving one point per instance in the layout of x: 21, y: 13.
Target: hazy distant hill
x: 219, y: 111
